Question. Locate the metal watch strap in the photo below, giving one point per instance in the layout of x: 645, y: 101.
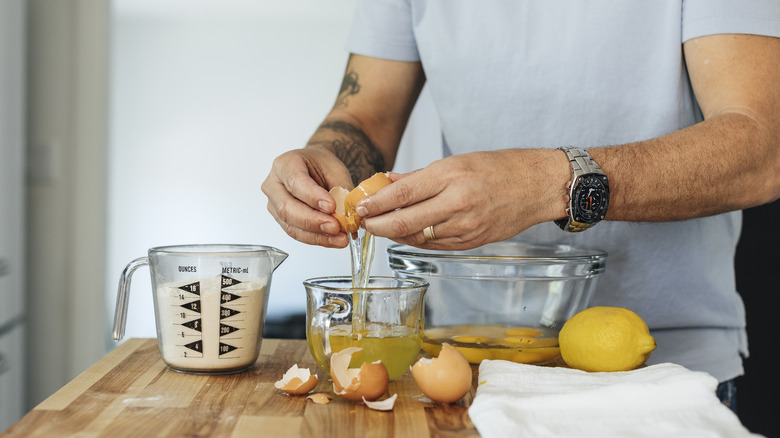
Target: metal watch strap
x: 581, y: 164
x: 581, y: 161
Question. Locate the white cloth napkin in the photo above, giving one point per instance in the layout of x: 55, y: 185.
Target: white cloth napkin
x: 664, y: 400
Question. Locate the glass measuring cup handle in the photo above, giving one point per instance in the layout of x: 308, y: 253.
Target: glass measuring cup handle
x: 122, y: 296
x: 321, y: 320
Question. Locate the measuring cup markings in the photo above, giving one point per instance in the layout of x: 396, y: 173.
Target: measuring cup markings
x: 195, y: 324
x: 228, y: 310
x: 210, y: 303
x: 223, y: 313
x: 227, y: 297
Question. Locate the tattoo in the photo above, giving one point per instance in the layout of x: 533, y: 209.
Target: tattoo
x: 355, y: 149
x: 349, y: 87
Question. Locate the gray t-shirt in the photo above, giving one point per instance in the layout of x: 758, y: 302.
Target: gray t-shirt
x: 514, y: 74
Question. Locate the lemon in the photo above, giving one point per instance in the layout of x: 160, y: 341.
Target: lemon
x: 605, y: 339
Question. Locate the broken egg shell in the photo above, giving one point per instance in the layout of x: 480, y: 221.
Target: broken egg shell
x: 320, y: 398
x: 297, y: 381
x: 346, y: 200
x: 369, y: 381
x: 349, y: 223
x: 382, y: 405
x: 339, y: 193
x: 444, y: 379
x: 366, y: 188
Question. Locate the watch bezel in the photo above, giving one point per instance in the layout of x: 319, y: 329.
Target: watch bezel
x: 584, y: 168
x: 580, y: 184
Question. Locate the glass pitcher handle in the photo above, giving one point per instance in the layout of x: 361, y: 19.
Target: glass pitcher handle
x: 321, y: 321
x: 122, y: 297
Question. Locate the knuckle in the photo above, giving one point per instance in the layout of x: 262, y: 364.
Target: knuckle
x: 291, y: 182
x: 280, y: 160
x: 404, y: 194
x: 322, y: 240
x: 472, y: 240
x: 282, y: 211
x: 399, y: 227
x: 457, y: 164
x: 307, y: 224
x: 412, y: 240
x: 290, y: 230
x: 470, y: 223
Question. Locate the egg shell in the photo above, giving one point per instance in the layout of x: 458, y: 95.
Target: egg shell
x: 339, y: 194
x: 347, y: 224
x: 297, y: 381
x: 369, y: 381
x: 366, y: 188
x: 444, y: 379
x: 431, y: 348
x: 320, y: 398
x: 346, y: 201
x: 382, y: 405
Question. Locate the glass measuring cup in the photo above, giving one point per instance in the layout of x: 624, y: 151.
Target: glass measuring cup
x: 390, y: 330
x: 209, y: 303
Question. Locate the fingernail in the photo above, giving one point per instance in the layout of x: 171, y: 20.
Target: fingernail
x: 335, y: 240
x: 324, y: 206
x: 361, y: 211
x: 329, y: 228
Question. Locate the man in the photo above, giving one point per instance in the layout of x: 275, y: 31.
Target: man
x: 676, y: 102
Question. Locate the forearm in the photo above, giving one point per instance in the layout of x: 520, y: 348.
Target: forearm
x: 729, y: 162
x: 368, y: 118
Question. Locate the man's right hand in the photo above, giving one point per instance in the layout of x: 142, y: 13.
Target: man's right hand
x: 297, y: 190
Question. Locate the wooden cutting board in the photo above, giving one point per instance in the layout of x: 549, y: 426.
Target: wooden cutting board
x: 131, y: 393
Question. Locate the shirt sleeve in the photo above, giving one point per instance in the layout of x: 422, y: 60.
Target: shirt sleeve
x: 383, y: 29
x: 708, y: 17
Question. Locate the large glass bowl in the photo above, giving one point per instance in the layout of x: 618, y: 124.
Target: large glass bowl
x: 504, y: 300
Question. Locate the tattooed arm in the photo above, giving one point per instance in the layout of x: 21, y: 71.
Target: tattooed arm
x: 359, y: 137
x: 353, y: 147
x: 365, y: 125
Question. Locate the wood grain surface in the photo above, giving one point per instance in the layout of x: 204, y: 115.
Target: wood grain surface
x: 131, y: 393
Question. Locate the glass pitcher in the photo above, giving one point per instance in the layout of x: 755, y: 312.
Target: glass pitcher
x: 210, y: 303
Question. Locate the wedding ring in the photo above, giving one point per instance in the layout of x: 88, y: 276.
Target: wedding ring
x: 428, y: 234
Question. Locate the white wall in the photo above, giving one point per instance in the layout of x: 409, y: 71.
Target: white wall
x: 203, y: 96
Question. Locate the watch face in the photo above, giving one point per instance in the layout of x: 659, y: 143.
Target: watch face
x: 591, y: 198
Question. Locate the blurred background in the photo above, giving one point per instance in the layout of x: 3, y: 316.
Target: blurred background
x: 128, y: 124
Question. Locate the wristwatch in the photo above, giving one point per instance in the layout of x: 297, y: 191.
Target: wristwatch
x: 588, y: 192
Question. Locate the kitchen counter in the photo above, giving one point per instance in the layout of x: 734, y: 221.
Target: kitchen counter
x: 130, y: 392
